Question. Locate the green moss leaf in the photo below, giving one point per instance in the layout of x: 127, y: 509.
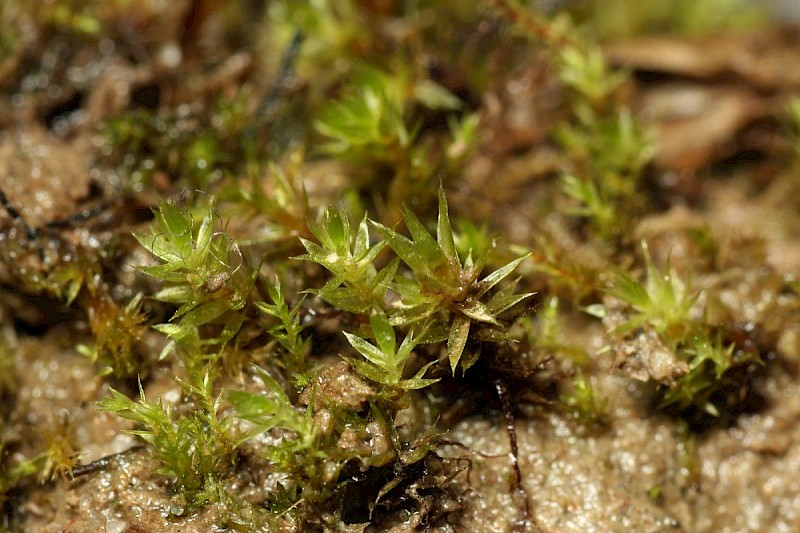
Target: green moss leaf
x: 457, y: 340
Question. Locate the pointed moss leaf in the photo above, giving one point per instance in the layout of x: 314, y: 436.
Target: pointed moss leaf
x: 478, y: 311
x: 333, y: 232
x: 157, y: 244
x: 495, y: 277
x: 177, y: 333
x: 275, y: 292
x: 122, y: 405
x: 273, y: 386
x: 316, y: 253
x: 506, y: 291
x: 435, y: 96
x: 332, y: 284
x: 627, y: 289
x: 457, y: 340
x: 184, y: 308
x: 269, y: 309
x: 632, y: 324
x: 384, y: 333
x: 417, y: 381
x: 369, y: 257
x: 170, y: 330
x: 448, y: 282
x: 469, y: 262
x: 166, y: 272
x: 444, y: 231
x: 413, y: 314
x: 471, y: 357
x: 383, y: 278
x: 206, y: 230
x: 485, y: 334
x: 346, y: 299
x: 664, y: 289
x: 410, y: 292
x: 410, y: 342
x: 436, y: 332
x: 358, y: 119
x: 204, y: 314
x: 166, y: 350
x: 254, y: 407
x: 285, y: 194
x: 426, y: 246
x: 175, y: 223
x: 232, y: 326
x: 711, y: 409
x: 596, y: 310
x: 361, y: 243
x: 504, y: 303
x: 177, y: 294
x: 270, y: 410
x: 320, y: 233
x: 338, y: 227
x: 586, y: 193
x: 369, y: 371
x: 403, y: 247
x: 370, y: 352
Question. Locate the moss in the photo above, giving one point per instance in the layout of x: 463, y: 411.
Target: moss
x: 301, y: 326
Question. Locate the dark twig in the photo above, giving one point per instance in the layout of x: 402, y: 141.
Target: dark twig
x: 80, y: 216
x: 30, y: 233
x: 33, y: 235
x: 271, y: 98
x: 525, y: 521
x: 94, y: 466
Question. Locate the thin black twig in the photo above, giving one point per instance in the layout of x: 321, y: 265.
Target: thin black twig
x: 30, y: 232
x: 272, y: 96
x: 33, y: 235
x: 80, y: 216
x: 99, y: 464
x: 525, y: 520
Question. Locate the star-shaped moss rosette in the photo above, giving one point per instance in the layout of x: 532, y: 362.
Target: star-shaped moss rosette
x: 441, y: 282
